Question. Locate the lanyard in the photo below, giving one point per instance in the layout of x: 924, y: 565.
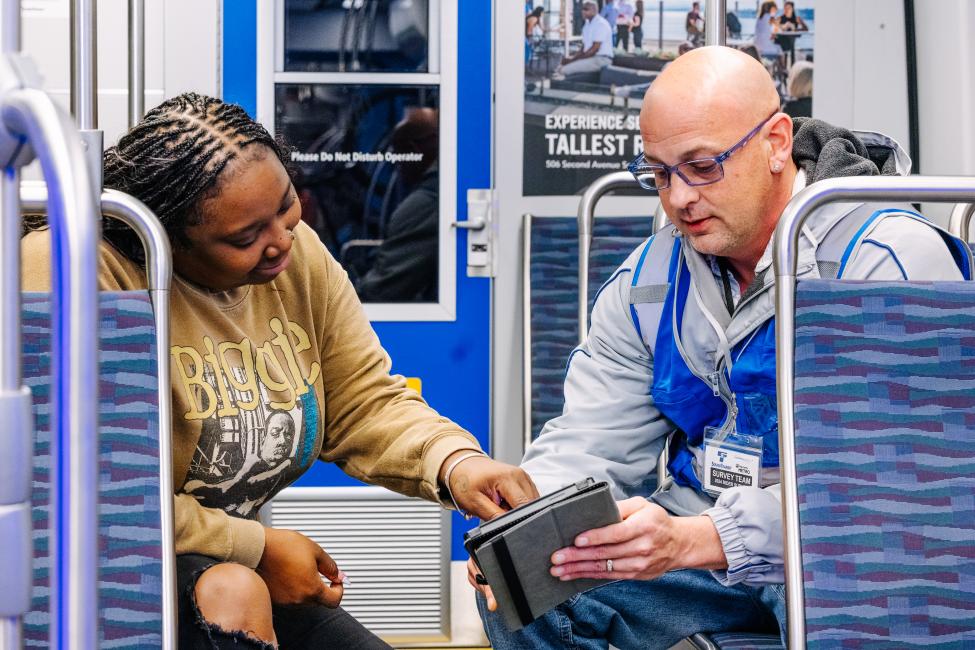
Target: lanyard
x: 729, y: 299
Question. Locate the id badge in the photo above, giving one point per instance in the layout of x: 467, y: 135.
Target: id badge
x: 731, y: 460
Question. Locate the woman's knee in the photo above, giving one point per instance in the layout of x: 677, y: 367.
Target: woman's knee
x: 235, y: 599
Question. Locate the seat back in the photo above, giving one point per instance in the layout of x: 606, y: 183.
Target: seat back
x: 885, y: 458
x: 553, y: 294
x: 130, y: 557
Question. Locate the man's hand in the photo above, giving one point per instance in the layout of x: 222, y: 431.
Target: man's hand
x: 646, y: 544
x: 485, y: 487
x: 292, y: 567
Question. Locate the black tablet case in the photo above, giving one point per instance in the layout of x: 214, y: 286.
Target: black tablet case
x: 514, y: 551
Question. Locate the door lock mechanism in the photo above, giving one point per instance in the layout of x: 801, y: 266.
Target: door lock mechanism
x: 480, y: 211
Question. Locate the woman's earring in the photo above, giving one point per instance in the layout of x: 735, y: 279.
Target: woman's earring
x: 777, y: 167
x: 292, y: 233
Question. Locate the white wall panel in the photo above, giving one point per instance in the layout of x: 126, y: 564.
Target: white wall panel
x: 861, y: 72
x: 182, y: 52
x: 946, y: 80
x: 946, y: 90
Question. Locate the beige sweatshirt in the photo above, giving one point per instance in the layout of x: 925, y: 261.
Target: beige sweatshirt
x: 267, y: 378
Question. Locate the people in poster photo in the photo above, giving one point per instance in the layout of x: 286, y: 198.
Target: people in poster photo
x: 581, y: 99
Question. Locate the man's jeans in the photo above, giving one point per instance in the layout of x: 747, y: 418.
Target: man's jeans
x: 633, y: 614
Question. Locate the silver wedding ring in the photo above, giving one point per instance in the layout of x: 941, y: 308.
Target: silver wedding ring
x: 609, y: 566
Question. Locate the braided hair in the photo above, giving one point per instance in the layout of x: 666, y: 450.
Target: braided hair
x: 172, y: 161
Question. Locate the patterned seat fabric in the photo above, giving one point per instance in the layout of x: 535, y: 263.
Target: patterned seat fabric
x: 885, y: 451
x: 553, y: 266
x: 130, y: 566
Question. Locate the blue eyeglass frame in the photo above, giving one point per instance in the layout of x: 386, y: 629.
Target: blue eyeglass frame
x: 639, y: 165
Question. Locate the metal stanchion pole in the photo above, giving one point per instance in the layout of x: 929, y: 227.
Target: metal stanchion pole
x: 660, y: 27
x: 84, y: 85
x: 31, y: 116
x: 137, y: 60
x: 714, y: 22
x: 84, y: 71
x: 30, y: 122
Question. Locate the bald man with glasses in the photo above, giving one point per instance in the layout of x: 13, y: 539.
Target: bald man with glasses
x: 681, y: 353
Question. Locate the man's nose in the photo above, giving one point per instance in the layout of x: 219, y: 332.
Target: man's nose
x: 680, y: 194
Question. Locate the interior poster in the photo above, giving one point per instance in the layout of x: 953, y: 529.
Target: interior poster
x: 589, y: 64
x: 581, y: 116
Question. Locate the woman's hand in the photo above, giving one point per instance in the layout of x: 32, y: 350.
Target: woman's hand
x: 292, y: 567
x: 472, y: 572
x: 485, y: 487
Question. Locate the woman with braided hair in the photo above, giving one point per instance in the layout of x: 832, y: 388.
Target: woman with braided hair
x: 274, y: 365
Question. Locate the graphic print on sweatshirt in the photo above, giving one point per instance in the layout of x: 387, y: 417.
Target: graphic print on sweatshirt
x: 258, y: 412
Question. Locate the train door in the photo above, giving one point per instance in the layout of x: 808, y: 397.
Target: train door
x: 387, y: 104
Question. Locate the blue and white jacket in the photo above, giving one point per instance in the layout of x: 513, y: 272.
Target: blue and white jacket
x: 634, y: 385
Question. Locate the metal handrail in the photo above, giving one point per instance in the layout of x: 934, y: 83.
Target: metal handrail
x: 526, y: 332
x: 159, y: 270
x: 15, y: 401
x: 15, y: 507
x: 74, y: 224
x: 159, y: 267
x: 587, y: 215
x: 84, y: 85
x: 84, y: 63
x: 137, y: 61
x: 715, y: 22
x: 960, y: 221
x: 938, y: 189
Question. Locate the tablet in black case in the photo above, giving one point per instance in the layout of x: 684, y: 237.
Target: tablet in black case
x: 513, y: 551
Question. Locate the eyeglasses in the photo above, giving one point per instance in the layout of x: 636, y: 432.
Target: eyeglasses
x: 695, y: 173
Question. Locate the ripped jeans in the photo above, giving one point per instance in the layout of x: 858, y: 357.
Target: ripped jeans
x: 311, y: 626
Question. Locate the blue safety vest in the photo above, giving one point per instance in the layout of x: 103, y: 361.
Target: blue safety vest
x: 694, y: 399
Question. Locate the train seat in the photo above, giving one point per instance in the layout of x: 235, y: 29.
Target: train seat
x: 130, y: 557
x: 885, y: 457
x: 552, y: 296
